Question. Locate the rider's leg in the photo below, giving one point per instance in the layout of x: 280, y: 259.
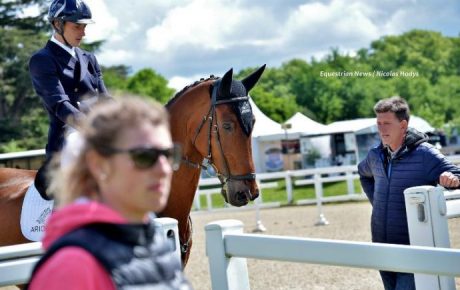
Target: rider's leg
x: 41, y: 180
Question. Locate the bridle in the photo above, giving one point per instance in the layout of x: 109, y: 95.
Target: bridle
x: 214, y: 128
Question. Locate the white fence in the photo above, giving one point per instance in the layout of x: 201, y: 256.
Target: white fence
x: 317, y: 176
x: 17, y: 262
x: 428, y: 210
x: 227, y: 248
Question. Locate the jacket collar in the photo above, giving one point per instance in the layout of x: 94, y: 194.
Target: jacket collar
x: 411, y: 141
x: 70, y: 50
x: 65, y: 57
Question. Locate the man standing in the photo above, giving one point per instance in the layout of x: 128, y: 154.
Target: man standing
x: 403, y: 159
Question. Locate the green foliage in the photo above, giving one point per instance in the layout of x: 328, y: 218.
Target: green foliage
x: 17, y: 98
x: 432, y: 89
x: 115, y: 77
x: 9, y: 11
x: 147, y: 82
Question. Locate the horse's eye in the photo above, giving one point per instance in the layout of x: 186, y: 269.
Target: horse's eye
x: 227, y: 126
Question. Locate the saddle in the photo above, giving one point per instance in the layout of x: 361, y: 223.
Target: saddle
x: 34, y: 214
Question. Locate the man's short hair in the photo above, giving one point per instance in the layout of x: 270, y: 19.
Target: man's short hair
x: 396, y: 105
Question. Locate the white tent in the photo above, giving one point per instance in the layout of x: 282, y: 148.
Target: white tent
x: 301, y: 124
x: 267, y: 135
x: 264, y: 126
x: 272, y: 131
x: 368, y: 125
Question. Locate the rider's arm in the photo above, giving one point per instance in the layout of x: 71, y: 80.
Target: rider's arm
x: 100, y: 82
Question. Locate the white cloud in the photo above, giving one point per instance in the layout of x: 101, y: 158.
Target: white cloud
x: 208, y: 24
x: 105, y: 23
x: 179, y: 82
x: 116, y: 56
x: 317, y: 26
x: 182, y: 39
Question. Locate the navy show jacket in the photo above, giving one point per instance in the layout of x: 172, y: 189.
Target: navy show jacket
x: 63, y: 83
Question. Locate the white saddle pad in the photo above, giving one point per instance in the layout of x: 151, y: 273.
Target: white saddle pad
x: 34, y: 214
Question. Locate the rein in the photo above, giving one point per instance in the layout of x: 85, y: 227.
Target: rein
x: 214, y: 128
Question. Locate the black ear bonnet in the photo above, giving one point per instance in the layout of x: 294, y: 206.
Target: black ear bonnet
x: 230, y: 89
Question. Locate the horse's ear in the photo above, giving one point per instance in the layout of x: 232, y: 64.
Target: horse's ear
x: 250, y: 81
x: 226, y: 83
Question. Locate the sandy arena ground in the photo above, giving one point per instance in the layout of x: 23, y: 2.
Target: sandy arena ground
x: 348, y: 221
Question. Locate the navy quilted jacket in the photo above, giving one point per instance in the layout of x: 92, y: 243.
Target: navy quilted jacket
x: 384, y: 181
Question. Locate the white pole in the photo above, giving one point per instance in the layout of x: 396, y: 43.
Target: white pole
x: 322, y: 221
x: 227, y: 273
x: 259, y: 225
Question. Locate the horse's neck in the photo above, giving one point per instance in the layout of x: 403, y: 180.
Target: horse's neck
x: 186, y: 115
x: 183, y: 187
x: 191, y: 106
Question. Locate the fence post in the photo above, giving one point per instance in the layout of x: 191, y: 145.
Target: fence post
x: 196, y: 200
x: 322, y: 221
x: 428, y: 227
x: 168, y: 226
x: 259, y: 225
x: 288, y: 180
x: 227, y: 273
x: 350, y: 183
x: 438, y: 212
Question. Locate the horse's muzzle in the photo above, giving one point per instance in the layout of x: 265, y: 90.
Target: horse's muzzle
x: 240, y: 192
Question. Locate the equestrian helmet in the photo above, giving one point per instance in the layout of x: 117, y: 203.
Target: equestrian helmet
x: 75, y: 11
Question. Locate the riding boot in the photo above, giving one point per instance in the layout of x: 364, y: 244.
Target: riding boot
x: 41, y: 181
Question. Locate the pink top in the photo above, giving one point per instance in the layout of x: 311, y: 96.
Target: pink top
x: 73, y: 268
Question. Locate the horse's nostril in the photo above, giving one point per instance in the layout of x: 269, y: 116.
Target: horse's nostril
x: 254, y: 196
x: 241, y: 195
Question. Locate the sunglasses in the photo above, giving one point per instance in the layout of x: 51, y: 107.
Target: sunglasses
x: 146, y: 157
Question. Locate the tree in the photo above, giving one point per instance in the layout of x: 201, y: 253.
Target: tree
x: 11, y: 15
x: 272, y: 95
x: 147, y: 82
x: 116, y: 77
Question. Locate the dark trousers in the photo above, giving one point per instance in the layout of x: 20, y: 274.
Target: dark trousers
x: 397, y: 281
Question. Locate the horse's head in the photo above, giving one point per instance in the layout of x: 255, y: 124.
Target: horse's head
x: 224, y: 136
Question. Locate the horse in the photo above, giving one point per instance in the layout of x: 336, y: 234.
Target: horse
x: 218, y: 129
x: 212, y: 119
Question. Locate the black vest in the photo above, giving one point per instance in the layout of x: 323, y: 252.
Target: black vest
x: 135, y: 255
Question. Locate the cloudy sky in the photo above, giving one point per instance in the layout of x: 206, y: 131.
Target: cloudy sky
x: 185, y: 40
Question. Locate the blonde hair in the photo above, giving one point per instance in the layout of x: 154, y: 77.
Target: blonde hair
x: 101, y: 129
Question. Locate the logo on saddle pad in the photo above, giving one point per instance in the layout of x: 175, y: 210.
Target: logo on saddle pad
x: 35, y: 212
x: 41, y: 221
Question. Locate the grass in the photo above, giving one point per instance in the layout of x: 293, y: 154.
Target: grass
x: 279, y: 194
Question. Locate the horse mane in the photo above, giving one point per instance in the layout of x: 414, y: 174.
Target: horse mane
x: 186, y: 88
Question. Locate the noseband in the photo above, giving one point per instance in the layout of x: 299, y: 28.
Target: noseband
x: 211, y: 116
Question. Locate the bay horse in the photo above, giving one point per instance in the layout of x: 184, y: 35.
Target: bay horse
x: 212, y: 119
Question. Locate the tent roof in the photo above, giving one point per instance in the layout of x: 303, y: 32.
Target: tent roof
x: 302, y: 124
x: 268, y: 130
x: 369, y: 125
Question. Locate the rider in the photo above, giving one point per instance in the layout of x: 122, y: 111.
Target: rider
x: 67, y: 78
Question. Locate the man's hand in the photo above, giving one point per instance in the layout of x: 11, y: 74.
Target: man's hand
x: 448, y: 179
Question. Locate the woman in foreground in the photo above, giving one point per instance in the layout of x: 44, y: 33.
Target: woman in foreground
x: 102, y: 236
